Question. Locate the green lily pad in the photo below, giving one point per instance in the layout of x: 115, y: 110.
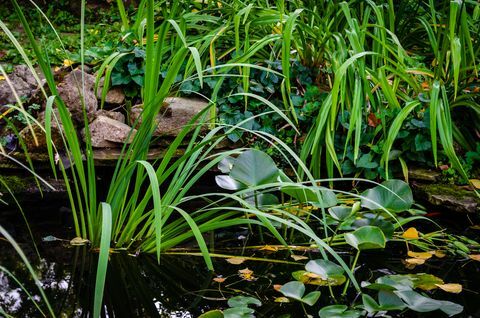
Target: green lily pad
x: 366, y: 238
x: 254, y: 167
x: 296, y: 290
x: 338, y: 311
x: 317, y: 196
x: 393, y: 195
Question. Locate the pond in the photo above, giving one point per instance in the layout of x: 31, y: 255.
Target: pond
x: 181, y: 285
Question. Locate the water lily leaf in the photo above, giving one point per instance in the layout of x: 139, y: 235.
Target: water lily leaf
x: 410, y: 234
x: 228, y: 183
x: 450, y: 288
x: 340, y: 213
x: 315, y: 279
x: 393, y: 195
x: 415, y: 261
x: 317, y: 196
x: 370, y: 304
x: 226, y: 165
x: 420, y: 303
x: 338, y: 311
x: 389, y: 301
x: 366, y: 238
x: 293, y: 290
x: 254, y: 167
x: 236, y: 260
x: 239, y: 312
x: 243, y: 301
x: 311, y: 298
x: 325, y: 269
x: 425, y: 281
x: 296, y: 290
x: 475, y: 183
x: 212, y: 314
x: 422, y: 255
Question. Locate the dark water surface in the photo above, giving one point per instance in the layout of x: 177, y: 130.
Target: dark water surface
x: 181, y: 286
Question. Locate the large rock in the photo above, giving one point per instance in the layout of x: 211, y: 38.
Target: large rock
x: 448, y: 197
x: 114, y: 96
x: 177, y: 115
x: 70, y: 90
x: 118, y: 116
x: 106, y: 132
x: 24, y: 83
x: 35, y: 138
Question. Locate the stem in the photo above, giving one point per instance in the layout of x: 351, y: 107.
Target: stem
x: 352, y: 269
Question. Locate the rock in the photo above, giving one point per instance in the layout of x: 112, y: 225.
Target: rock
x: 114, y: 96
x: 118, y: 116
x: 36, y: 140
x: 70, y: 90
x: 178, y: 114
x: 24, y: 83
x: 449, y: 197
x: 422, y: 174
x: 106, y: 132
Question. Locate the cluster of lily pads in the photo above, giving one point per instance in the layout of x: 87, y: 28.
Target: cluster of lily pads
x: 362, y: 221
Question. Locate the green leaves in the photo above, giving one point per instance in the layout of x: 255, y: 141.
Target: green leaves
x: 366, y: 238
x: 296, y: 290
x: 338, y: 311
x: 393, y: 195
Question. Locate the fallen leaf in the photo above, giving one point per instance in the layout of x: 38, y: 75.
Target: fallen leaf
x: 411, y: 234
x: 425, y: 85
x: 2, y: 78
x: 246, y: 274
x: 421, y: 255
x: 415, y: 261
x: 475, y: 257
x: 475, y: 227
x: 269, y: 248
x: 277, y: 287
x: 219, y: 279
x: 475, y: 183
x: 440, y: 254
x: 282, y: 300
x: 298, y: 257
x: 79, y: 241
x: 444, y: 167
x: 450, y: 288
x: 236, y: 260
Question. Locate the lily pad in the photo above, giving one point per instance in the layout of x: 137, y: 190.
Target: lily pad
x: 254, y: 167
x: 296, y: 290
x: 338, y: 311
x: 317, y: 196
x: 366, y: 238
x: 393, y: 195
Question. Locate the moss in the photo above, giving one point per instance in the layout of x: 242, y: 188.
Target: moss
x: 450, y: 190
x: 16, y: 184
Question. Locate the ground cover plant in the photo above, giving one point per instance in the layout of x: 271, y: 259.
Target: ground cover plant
x: 333, y: 90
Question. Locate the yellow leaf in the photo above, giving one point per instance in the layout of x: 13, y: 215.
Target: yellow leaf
x: 219, y: 279
x: 246, y: 274
x: 269, y: 248
x: 282, y: 300
x: 67, y: 62
x: 415, y: 261
x: 421, y: 255
x: 410, y: 234
x: 450, y: 288
x: 277, y: 287
x: 2, y: 78
x: 79, y: 241
x: 298, y: 257
x: 236, y: 260
x: 475, y: 257
x: 475, y: 183
x: 475, y: 227
x: 440, y: 254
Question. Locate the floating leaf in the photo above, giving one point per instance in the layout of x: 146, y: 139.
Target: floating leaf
x: 277, y: 287
x: 340, y: 213
x: 239, y: 312
x: 78, y: 241
x: 475, y: 257
x: 219, y: 279
x: 243, y: 301
x: 338, y: 311
x: 326, y: 269
x: 439, y: 254
x: 410, y: 234
x: 393, y: 195
x: 317, y: 196
x: 254, y: 167
x: 296, y: 290
x: 366, y: 238
x: 236, y: 260
x: 450, y: 288
x: 298, y: 257
x: 212, y: 314
x: 282, y: 300
x: 420, y: 303
x: 268, y: 248
x: 315, y: 279
x: 228, y: 183
x: 421, y: 255
x: 246, y: 274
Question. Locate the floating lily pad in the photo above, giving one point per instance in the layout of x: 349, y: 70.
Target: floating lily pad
x: 366, y: 238
x: 393, y: 195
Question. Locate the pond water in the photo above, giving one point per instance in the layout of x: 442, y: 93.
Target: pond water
x: 181, y: 285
